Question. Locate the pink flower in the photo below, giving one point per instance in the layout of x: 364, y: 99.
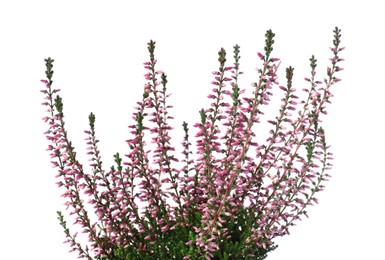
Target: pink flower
x: 229, y: 175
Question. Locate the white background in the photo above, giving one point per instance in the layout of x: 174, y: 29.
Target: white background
x: 99, y: 47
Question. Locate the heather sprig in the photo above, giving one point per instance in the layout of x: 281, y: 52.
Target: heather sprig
x: 227, y: 197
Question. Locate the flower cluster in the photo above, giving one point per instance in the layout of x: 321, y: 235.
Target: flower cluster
x: 227, y: 200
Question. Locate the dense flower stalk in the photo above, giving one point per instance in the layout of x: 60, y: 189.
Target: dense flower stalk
x: 227, y: 200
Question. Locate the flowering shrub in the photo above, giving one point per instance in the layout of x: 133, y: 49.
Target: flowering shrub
x: 227, y: 200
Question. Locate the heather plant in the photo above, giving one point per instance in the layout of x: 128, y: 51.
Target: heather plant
x: 228, y: 196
